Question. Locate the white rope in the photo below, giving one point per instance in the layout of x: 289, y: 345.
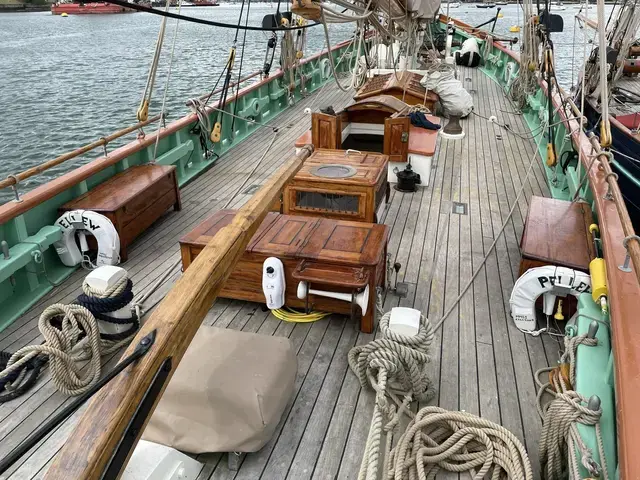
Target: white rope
x: 394, y: 365
x: 151, y: 77
x: 60, y: 345
x: 437, y: 439
x: 76, y: 340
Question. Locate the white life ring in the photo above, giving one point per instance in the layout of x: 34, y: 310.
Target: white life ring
x: 549, y: 280
x: 97, y: 225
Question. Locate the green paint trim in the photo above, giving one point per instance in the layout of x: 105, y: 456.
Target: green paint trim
x: 593, y: 378
x: 23, y: 282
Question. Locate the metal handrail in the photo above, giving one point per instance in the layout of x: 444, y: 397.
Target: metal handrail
x: 14, y: 179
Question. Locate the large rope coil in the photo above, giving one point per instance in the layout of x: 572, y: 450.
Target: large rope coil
x: 438, y: 439
x: 394, y: 366
x: 71, y: 335
x: 560, y: 439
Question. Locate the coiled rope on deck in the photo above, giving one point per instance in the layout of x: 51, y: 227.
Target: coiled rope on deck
x: 457, y: 442
x: 71, y: 335
x: 395, y: 366
x: 560, y: 438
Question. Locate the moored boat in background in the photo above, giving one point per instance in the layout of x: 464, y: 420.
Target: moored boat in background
x: 89, y: 8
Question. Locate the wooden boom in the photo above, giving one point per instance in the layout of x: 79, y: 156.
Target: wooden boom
x: 91, y: 444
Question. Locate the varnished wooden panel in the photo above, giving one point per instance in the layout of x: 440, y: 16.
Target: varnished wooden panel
x: 556, y: 232
x: 396, y: 138
x: 344, y: 157
x: 132, y: 200
x: 326, y: 130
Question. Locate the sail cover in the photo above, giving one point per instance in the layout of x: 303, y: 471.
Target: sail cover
x: 424, y: 8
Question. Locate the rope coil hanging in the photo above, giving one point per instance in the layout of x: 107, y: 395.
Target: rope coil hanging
x: 560, y: 439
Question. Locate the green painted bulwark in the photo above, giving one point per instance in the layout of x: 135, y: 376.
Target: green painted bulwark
x: 24, y: 279
x: 593, y: 377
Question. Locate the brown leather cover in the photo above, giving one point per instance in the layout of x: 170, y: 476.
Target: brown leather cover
x: 228, y: 393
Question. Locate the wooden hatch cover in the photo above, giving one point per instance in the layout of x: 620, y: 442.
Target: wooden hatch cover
x: 348, y: 243
x: 385, y: 103
x: 348, y: 157
x: 404, y: 86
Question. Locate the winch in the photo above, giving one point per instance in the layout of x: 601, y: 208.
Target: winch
x: 407, y: 179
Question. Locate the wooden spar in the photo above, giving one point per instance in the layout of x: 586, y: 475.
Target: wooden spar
x: 9, y: 181
x: 588, y: 21
x: 88, y: 450
x: 633, y: 245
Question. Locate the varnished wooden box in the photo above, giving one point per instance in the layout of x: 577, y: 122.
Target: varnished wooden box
x: 330, y: 254
x: 356, y: 196
x: 132, y: 200
x: 556, y: 232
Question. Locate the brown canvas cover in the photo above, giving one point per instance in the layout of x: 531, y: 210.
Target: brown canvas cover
x: 228, y: 393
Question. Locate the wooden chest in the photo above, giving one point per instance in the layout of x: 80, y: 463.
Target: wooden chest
x: 329, y: 254
x: 338, y: 184
x: 132, y: 200
x: 556, y: 232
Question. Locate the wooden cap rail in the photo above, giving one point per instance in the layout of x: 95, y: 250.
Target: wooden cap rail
x: 19, y: 177
x: 176, y: 320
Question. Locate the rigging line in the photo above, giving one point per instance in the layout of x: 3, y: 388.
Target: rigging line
x: 448, y: 312
x: 161, y: 120
x: 244, y: 43
x: 227, y: 78
x: 202, y: 21
x: 143, y: 110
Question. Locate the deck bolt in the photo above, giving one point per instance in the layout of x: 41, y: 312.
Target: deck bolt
x: 593, y: 329
x: 4, y: 246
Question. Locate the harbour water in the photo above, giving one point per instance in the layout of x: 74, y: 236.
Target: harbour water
x: 65, y: 82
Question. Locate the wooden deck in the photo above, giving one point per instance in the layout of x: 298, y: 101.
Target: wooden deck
x: 482, y: 363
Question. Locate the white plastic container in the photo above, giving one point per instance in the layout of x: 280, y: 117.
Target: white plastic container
x: 405, y: 321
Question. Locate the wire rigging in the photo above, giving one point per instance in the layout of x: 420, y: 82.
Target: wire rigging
x: 202, y: 21
x: 244, y: 43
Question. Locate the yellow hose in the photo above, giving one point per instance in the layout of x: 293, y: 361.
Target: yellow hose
x: 290, y: 315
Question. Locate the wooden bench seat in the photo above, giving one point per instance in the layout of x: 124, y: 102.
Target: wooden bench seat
x: 423, y: 141
x: 132, y: 200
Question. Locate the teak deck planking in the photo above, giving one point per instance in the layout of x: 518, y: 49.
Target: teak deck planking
x: 481, y: 362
